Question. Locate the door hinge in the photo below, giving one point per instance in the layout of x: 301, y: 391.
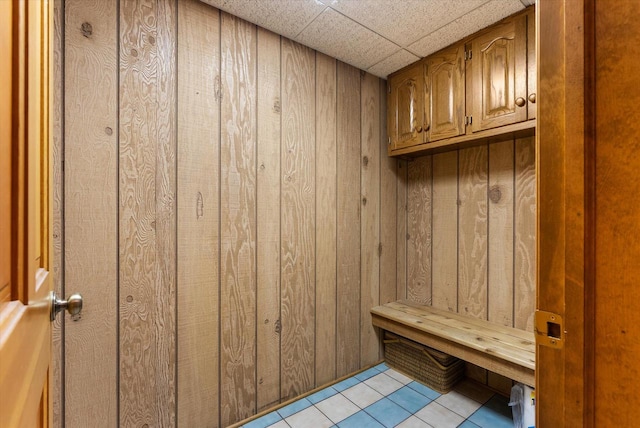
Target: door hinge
x: 549, y: 329
x: 468, y: 55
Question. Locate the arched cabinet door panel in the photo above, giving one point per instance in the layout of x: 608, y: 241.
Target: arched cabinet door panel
x: 446, y: 94
x: 500, y: 75
x: 406, y: 108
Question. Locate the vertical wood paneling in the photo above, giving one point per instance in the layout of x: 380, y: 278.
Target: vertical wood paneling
x: 90, y: 208
x: 326, y: 239
x: 147, y: 212
x: 388, y: 209
x: 348, y: 264
x: 500, y: 234
x: 238, y: 220
x: 525, y: 233
x: 501, y: 239
x: 370, y: 217
x: 297, y: 219
x: 445, y: 231
x: 264, y: 227
x: 268, y: 220
x: 419, y: 193
x: 402, y: 169
x: 57, y: 156
x: 472, y: 232
x: 198, y: 214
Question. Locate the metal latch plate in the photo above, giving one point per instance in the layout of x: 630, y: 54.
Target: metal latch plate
x: 549, y: 329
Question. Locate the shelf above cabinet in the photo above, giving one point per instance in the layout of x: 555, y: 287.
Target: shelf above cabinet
x: 507, y: 132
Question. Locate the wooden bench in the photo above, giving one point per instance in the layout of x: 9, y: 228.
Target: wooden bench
x: 503, y: 350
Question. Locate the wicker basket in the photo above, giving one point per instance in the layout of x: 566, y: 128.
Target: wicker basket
x: 435, y: 369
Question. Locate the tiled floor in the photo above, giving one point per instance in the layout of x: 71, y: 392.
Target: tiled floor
x: 382, y: 397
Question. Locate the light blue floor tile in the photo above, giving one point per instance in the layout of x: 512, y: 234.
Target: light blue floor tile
x: 264, y: 421
x: 495, y: 414
x: 381, y: 367
x: 294, y: 407
x: 359, y: 420
x: 321, y: 395
x: 345, y: 384
x: 367, y: 374
x: 426, y: 391
x: 501, y: 405
x: 387, y: 412
x: 409, y: 399
x: 468, y: 424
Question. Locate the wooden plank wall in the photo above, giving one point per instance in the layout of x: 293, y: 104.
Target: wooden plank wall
x: 226, y: 207
x: 470, y: 231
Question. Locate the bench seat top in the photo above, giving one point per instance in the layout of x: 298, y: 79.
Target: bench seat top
x: 504, y: 350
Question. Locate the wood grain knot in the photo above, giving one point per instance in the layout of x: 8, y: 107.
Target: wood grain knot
x: 278, y: 326
x: 365, y: 161
x: 199, y: 206
x: 108, y: 131
x: 129, y: 299
x: 152, y: 40
x: 364, y: 201
x: 276, y: 106
x: 217, y: 88
x: 134, y: 52
x: 86, y: 29
x: 495, y: 194
x: 262, y: 166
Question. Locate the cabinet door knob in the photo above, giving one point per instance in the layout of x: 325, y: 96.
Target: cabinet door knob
x: 532, y: 98
x: 520, y: 102
x: 419, y: 129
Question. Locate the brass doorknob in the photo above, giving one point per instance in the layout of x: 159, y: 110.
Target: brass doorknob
x: 532, y: 98
x: 520, y: 102
x: 73, y: 305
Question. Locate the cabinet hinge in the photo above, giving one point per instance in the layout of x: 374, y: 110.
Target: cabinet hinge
x: 468, y: 55
x: 549, y: 329
x: 468, y: 120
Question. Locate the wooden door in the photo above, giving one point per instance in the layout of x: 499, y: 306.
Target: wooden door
x: 565, y: 217
x: 406, y: 107
x: 446, y: 94
x: 500, y: 75
x: 25, y: 283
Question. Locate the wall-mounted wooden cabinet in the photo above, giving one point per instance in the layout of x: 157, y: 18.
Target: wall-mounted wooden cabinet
x: 479, y: 88
x: 406, y: 104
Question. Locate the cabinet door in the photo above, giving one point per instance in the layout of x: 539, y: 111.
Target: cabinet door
x: 531, y: 64
x: 406, y: 107
x: 500, y: 75
x: 446, y: 94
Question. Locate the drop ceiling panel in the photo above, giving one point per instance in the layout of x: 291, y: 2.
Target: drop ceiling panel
x: 392, y: 63
x: 285, y: 17
x: 466, y: 25
x: 336, y: 35
x: 404, y: 21
x: 380, y: 36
